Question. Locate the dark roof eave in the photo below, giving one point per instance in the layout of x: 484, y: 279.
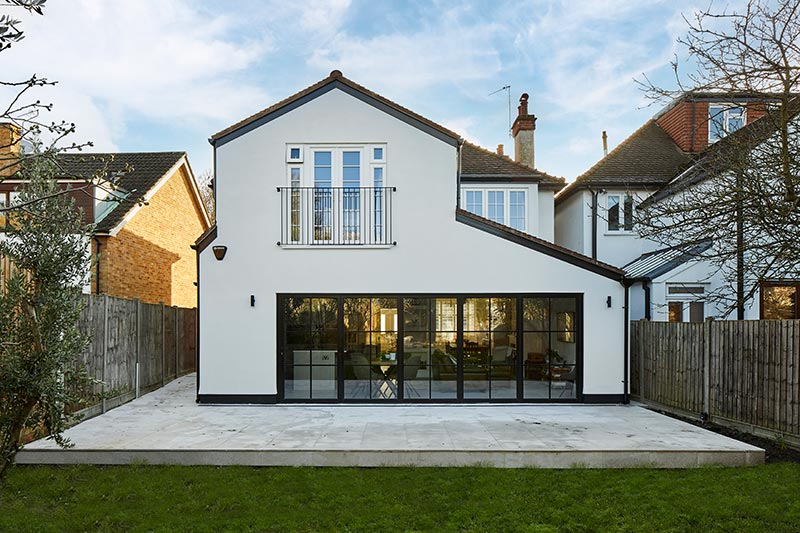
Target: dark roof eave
x: 334, y: 81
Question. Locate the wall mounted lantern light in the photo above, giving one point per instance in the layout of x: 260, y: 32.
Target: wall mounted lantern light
x: 219, y: 252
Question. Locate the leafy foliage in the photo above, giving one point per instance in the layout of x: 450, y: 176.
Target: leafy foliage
x: 39, y: 307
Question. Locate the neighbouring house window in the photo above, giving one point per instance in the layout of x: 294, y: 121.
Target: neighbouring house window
x: 675, y: 311
x: 691, y: 299
x: 3, y: 215
x: 475, y: 202
x: 697, y: 311
x: 507, y: 207
x: 723, y: 120
x: 620, y: 221
x: 496, y: 206
x: 516, y: 210
x: 779, y: 300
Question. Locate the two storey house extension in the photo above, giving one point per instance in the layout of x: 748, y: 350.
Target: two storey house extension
x: 663, y: 158
x: 363, y: 253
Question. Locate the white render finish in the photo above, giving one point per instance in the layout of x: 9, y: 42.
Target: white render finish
x: 573, y: 223
x: 434, y: 253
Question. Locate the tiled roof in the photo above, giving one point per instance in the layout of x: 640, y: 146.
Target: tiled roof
x: 724, y: 153
x: 654, y: 264
x: 649, y: 158
x: 146, y: 169
x: 477, y: 162
x: 335, y: 76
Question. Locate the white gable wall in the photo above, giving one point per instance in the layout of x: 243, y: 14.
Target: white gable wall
x: 434, y: 253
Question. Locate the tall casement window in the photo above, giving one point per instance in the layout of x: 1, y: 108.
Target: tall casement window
x: 504, y: 206
x: 620, y: 212
x: 779, y: 300
x: 724, y: 120
x: 336, y: 195
x: 430, y: 348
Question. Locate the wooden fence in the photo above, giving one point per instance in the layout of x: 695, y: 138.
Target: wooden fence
x: 744, y: 374
x: 135, y: 348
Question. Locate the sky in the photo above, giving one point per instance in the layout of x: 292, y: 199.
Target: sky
x: 156, y: 75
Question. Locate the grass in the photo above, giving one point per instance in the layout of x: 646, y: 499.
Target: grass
x: 173, y: 498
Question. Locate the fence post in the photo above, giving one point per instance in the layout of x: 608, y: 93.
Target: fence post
x: 105, y: 353
x: 163, y: 346
x: 175, y: 332
x: 138, y: 340
x: 707, y: 368
x: 642, y: 330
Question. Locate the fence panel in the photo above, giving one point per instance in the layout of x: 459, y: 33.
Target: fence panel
x: 737, y: 372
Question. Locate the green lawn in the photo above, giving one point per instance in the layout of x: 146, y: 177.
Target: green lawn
x: 756, y: 499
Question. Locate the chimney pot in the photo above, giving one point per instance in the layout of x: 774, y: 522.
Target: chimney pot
x: 605, y: 144
x: 522, y: 132
x: 500, y: 149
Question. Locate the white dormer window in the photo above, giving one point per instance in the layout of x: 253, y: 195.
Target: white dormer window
x: 504, y: 206
x: 723, y: 120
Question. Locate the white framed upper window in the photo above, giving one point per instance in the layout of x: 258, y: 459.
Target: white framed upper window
x: 724, y: 119
x: 504, y: 206
x: 377, y: 153
x: 619, y: 213
x: 294, y: 153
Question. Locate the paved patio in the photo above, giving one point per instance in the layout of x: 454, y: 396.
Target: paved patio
x: 168, y: 427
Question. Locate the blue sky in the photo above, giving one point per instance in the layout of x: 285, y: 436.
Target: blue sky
x: 141, y: 75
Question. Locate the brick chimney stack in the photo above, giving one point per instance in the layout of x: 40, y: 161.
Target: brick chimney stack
x: 522, y: 131
x: 500, y: 149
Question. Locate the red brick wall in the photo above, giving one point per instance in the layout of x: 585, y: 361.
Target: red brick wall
x: 151, y: 258
x: 687, y: 123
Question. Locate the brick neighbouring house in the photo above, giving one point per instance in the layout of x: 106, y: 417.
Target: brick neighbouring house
x: 141, y: 248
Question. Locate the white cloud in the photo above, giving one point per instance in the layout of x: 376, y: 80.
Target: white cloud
x: 163, y: 61
x: 443, y: 50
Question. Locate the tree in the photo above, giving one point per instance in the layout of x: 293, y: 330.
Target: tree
x: 205, y: 183
x: 743, y: 193
x: 39, y: 308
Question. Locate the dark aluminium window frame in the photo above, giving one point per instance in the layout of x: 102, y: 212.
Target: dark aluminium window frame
x: 280, y: 341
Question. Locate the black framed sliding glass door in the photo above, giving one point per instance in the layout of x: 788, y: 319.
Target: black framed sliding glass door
x: 429, y: 348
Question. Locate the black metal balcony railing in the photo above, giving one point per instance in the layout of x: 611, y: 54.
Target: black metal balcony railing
x: 336, y: 216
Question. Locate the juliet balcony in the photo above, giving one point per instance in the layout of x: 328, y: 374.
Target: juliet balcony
x: 336, y: 216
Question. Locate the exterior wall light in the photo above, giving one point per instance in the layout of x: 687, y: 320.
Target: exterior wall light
x: 219, y: 252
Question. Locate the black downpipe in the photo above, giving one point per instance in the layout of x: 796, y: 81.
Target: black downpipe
x: 625, y: 384
x: 458, y: 173
x: 646, y: 288
x: 594, y: 223
x: 97, y: 266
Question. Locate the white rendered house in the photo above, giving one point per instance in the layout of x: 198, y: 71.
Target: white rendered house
x: 365, y: 253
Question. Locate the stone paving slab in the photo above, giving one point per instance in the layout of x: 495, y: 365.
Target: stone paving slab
x: 168, y: 427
